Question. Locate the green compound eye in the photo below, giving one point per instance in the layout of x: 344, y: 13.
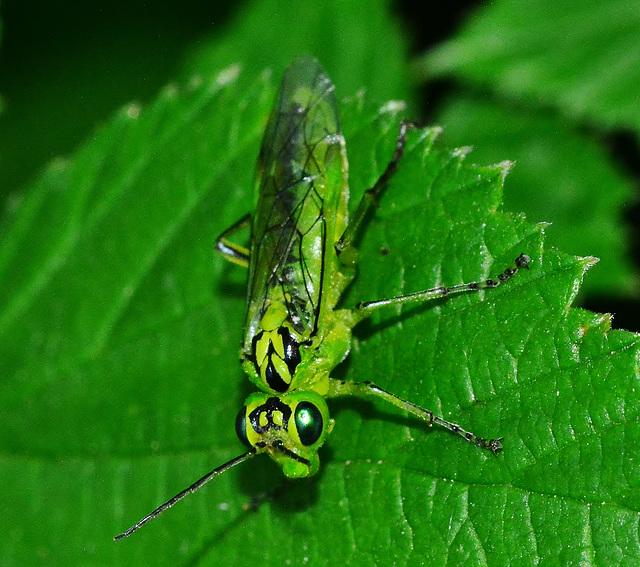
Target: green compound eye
x: 241, y: 426
x: 308, y: 420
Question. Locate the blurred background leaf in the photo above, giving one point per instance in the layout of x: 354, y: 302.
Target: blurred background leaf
x: 60, y: 84
x: 581, y: 57
x: 556, y: 85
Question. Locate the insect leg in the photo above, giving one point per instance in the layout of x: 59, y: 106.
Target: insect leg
x: 371, y: 195
x: 367, y: 389
x: 233, y: 252
x: 521, y: 262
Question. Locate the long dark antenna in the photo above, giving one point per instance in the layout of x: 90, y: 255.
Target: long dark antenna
x: 197, y: 484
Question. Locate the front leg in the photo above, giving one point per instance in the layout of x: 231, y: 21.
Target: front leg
x: 231, y: 251
x: 372, y: 195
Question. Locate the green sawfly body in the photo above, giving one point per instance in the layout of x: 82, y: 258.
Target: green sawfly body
x: 299, y: 261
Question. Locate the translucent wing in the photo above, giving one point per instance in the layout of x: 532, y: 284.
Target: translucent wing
x: 289, y: 231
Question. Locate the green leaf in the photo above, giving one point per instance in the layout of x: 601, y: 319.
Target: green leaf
x: 120, y: 336
x: 581, y: 56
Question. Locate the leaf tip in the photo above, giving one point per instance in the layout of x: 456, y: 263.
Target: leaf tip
x: 132, y: 110
x: 228, y: 75
x: 393, y: 107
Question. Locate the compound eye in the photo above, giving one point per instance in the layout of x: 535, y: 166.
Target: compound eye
x: 241, y: 426
x: 309, y: 423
